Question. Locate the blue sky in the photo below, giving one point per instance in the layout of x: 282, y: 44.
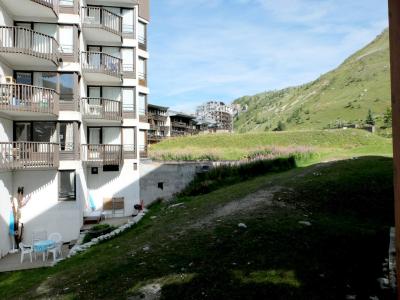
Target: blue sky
x: 223, y: 49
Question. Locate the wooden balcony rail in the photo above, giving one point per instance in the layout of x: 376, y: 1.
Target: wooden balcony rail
x: 129, y: 151
x: 100, y: 108
x: 156, y: 116
x: 98, y: 17
x: 99, y: 62
x: 142, y: 42
x: 143, y: 151
x: 28, y: 98
x: 179, y: 124
x: 102, y: 154
x: 53, y: 4
x: 142, y: 79
x: 28, y: 155
x: 29, y: 42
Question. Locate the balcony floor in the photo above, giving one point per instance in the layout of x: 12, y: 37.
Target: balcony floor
x: 29, y: 9
x: 20, y: 61
x: 101, y: 78
x: 100, y: 35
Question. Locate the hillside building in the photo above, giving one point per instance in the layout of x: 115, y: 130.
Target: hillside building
x: 159, y: 123
x: 181, y: 124
x: 73, y: 96
x: 217, y: 113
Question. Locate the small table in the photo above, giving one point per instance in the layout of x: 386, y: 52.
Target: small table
x: 43, y: 246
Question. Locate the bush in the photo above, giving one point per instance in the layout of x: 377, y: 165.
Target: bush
x: 97, y: 231
x: 218, y: 177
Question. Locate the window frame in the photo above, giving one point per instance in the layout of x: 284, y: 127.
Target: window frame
x: 60, y: 199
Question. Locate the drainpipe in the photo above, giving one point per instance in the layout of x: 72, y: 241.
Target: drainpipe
x: 394, y: 31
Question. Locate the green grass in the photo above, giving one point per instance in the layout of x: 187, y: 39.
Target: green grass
x: 308, y: 146
x: 349, y: 204
x: 343, y: 95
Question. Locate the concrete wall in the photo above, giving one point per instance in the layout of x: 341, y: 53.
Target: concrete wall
x: 124, y: 183
x: 144, y: 9
x: 5, y: 210
x: 44, y: 211
x: 173, y: 176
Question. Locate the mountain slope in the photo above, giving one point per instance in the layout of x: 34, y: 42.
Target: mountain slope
x: 344, y: 95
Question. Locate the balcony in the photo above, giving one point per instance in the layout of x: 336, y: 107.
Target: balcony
x: 101, y: 25
x: 129, y: 151
x: 33, y: 9
x: 102, y: 155
x: 28, y: 155
x: 157, y: 117
x: 101, y: 109
x: 143, y: 151
x: 27, y: 100
x: 99, y: 67
x: 28, y: 49
x: 179, y: 124
x: 142, y: 79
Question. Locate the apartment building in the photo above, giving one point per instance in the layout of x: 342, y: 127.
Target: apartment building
x: 218, y: 113
x: 181, y: 124
x: 73, y: 105
x: 159, y: 123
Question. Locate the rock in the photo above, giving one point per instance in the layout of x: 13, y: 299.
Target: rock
x: 242, y: 225
x: 383, y: 283
x: 146, y: 248
x: 153, y: 217
x: 373, y: 298
x: 305, y: 223
x: 351, y: 297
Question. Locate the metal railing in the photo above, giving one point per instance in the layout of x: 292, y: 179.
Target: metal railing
x: 28, y: 155
x: 27, y: 41
x: 28, y: 98
x: 99, y: 62
x: 129, y: 151
x: 102, y: 154
x: 98, y: 17
x: 100, y: 108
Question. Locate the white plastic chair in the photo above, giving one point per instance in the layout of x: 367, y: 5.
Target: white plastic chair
x: 56, y: 250
x: 25, y: 249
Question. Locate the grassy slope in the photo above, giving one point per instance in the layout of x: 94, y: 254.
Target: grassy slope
x: 328, y: 143
x: 348, y: 203
x: 360, y: 83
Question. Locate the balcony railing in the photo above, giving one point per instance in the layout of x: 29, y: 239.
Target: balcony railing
x: 99, y: 62
x: 143, y: 151
x: 129, y: 151
x: 98, y: 17
x: 142, y: 79
x: 102, y: 154
x: 179, y: 124
x: 101, y: 109
x: 29, y: 42
x: 28, y: 155
x: 157, y: 117
x: 28, y: 98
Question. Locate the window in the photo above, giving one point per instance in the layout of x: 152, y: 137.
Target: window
x: 67, y: 136
x: 142, y: 33
x: 67, y: 87
x: 69, y: 3
x: 127, y: 20
x: 44, y: 132
x: 48, y: 80
x: 142, y: 68
x: 67, y: 186
x: 66, y: 39
x: 142, y: 104
x: 127, y: 60
x: 128, y: 100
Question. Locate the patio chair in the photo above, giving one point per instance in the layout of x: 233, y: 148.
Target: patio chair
x: 56, y: 250
x: 25, y: 249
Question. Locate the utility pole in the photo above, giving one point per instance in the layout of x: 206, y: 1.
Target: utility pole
x: 394, y: 31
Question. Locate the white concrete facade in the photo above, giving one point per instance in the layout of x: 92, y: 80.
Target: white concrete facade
x: 88, y: 98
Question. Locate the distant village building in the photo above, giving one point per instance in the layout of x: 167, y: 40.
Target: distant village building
x: 219, y: 114
x: 159, y: 123
x: 182, y: 124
